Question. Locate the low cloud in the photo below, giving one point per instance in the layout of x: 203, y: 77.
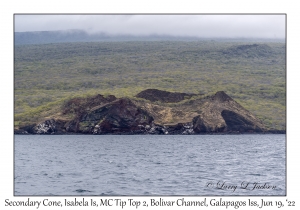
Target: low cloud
x: 228, y: 26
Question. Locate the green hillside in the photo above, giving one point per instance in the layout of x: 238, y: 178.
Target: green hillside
x: 251, y: 73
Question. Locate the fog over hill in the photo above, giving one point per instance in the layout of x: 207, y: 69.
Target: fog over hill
x: 191, y: 25
x: 64, y: 36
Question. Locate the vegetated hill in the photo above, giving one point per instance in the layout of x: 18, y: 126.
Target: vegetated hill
x: 249, y: 51
x: 218, y: 113
x: 45, y: 76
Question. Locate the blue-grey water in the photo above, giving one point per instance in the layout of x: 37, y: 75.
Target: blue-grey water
x: 150, y: 165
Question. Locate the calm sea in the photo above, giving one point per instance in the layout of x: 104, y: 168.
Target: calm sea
x: 150, y: 165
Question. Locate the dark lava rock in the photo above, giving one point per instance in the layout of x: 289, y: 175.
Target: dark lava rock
x: 221, y: 96
x: 236, y: 122
x: 50, y: 126
x: 155, y: 129
x: 221, y: 113
x: 163, y: 96
x: 199, y: 126
x: 80, y: 106
x: 27, y: 129
x: 218, y: 113
x: 120, y: 116
x: 181, y: 129
x: 46, y: 127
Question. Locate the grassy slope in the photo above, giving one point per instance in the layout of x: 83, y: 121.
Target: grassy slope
x: 47, y: 75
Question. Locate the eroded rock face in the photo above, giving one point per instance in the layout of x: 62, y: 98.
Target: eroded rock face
x: 80, y: 106
x: 213, y: 114
x: 181, y: 129
x: 120, y: 116
x: 236, y: 122
x: 46, y: 127
x: 221, y: 113
x: 49, y: 126
x: 199, y: 126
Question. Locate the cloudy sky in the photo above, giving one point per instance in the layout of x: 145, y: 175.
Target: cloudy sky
x: 233, y: 26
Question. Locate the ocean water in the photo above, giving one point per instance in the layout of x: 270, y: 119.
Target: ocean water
x: 153, y: 165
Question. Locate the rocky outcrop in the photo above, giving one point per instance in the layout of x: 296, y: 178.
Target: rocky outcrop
x: 27, y: 129
x: 237, y: 122
x: 120, y: 116
x: 80, y: 106
x: 218, y: 113
x: 181, y: 129
x: 46, y: 127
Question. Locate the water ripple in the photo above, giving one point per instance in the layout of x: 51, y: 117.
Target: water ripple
x: 147, y: 165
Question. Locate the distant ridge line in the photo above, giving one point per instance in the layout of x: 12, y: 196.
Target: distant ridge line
x: 76, y: 35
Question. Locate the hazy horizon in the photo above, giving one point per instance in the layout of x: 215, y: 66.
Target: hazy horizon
x: 201, y: 26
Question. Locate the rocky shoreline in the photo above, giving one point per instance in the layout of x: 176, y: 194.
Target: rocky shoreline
x: 152, y: 112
